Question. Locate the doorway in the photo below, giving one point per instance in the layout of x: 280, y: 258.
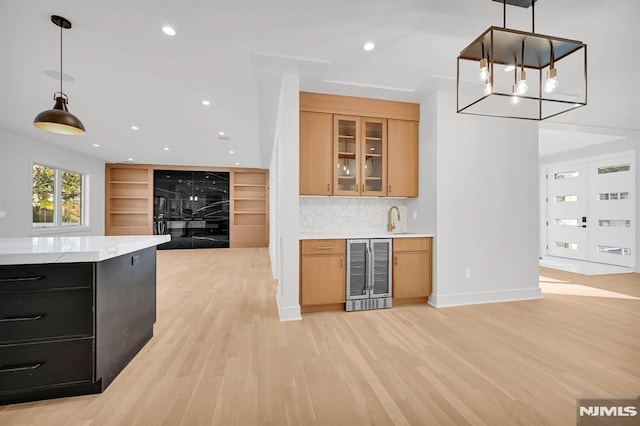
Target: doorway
x: 590, y: 210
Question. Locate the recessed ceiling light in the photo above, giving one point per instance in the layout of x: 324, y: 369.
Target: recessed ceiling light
x: 135, y: 128
x: 206, y: 102
x: 231, y: 152
x: 166, y: 148
x: 95, y: 145
x: 237, y: 164
x: 368, y: 46
x: 129, y: 159
x: 221, y: 133
x: 510, y: 68
x: 168, y: 30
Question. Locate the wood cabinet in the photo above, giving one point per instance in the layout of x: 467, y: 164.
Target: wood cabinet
x: 129, y: 199
x: 322, y: 275
x: 412, y: 260
x: 402, y: 158
x: 360, y: 155
x: 316, y: 154
x: 358, y: 140
x: 249, y: 208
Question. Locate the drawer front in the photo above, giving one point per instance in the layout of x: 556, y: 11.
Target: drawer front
x: 322, y: 246
x: 35, y: 365
x: 36, y: 315
x: 41, y: 277
x: 412, y: 244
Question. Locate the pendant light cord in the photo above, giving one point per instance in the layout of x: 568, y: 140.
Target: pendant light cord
x: 60, y: 60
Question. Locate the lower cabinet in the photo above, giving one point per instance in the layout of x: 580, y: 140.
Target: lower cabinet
x: 69, y: 328
x: 322, y: 275
x: 411, y: 270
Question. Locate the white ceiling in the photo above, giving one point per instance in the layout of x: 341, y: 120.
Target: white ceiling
x: 127, y: 72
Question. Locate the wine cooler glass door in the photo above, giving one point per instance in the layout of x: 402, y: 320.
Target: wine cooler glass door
x: 381, y: 268
x: 357, y: 269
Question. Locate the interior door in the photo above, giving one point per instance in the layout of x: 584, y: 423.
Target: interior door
x: 612, y: 211
x: 381, y: 268
x: 567, y: 211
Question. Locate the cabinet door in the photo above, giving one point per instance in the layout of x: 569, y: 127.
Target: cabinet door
x: 316, y: 160
x: 380, y: 280
x: 346, y: 168
x: 322, y: 280
x: 374, y: 156
x: 402, y: 161
x: 411, y: 274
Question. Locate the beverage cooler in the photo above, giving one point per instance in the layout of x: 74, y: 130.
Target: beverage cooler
x: 368, y: 274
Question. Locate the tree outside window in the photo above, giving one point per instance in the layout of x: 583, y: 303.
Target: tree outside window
x: 57, y: 197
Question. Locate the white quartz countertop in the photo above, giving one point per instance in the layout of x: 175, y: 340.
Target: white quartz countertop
x: 361, y: 235
x: 34, y: 250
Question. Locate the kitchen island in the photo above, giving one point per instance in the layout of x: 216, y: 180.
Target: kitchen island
x: 73, y: 312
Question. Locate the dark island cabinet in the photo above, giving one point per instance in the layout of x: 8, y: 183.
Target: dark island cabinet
x: 69, y: 328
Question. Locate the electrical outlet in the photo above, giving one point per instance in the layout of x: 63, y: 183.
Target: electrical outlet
x: 415, y: 215
x: 467, y: 273
x: 3, y: 215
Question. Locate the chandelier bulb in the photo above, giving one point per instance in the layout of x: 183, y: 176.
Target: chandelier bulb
x: 488, y: 88
x: 552, y: 81
x: 484, y: 69
x: 522, y: 86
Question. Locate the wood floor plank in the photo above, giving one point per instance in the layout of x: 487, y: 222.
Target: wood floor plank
x: 220, y: 356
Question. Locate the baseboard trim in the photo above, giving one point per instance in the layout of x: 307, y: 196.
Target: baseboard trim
x: 447, y: 300
x: 288, y: 313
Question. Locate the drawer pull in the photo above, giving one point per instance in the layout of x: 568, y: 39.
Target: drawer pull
x: 23, y: 367
x: 8, y: 280
x: 12, y: 319
x: 323, y: 248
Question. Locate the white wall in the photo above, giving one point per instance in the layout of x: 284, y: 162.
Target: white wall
x: 284, y: 244
x: 625, y: 145
x: 481, y: 178
x: 17, y: 155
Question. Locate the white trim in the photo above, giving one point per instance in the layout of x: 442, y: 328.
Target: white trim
x: 448, y: 300
x: 288, y: 313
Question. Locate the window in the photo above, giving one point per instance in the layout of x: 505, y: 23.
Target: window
x: 614, y: 169
x: 570, y: 246
x: 614, y: 223
x: 567, y: 222
x: 615, y: 250
x: 567, y: 175
x: 605, y: 196
x: 57, y: 197
x: 566, y: 198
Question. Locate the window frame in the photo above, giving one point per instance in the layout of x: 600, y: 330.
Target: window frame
x: 57, y: 224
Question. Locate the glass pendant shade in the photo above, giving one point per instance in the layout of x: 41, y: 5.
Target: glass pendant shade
x: 59, y: 119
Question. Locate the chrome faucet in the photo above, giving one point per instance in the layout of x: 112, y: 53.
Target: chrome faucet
x: 390, y: 225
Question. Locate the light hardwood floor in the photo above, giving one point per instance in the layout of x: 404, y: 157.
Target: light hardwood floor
x: 220, y: 356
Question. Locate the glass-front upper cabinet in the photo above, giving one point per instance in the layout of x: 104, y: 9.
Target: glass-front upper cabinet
x: 347, y: 152
x: 374, y: 152
x: 360, y: 149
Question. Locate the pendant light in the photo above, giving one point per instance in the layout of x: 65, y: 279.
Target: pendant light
x: 526, y: 54
x: 59, y: 119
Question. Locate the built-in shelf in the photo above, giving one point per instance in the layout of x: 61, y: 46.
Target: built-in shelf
x: 373, y: 178
x: 247, y: 212
x: 128, y: 212
x: 346, y: 177
x: 373, y: 155
x: 129, y: 182
x: 249, y: 199
x: 347, y: 154
x: 371, y: 138
x: 250, y: 184
x: 347, y: 136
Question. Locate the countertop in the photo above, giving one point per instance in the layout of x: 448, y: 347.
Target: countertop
x: 361, y: 235
x: 35, y: 250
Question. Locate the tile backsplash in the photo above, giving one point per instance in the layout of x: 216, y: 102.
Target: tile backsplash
x: 349, y: 215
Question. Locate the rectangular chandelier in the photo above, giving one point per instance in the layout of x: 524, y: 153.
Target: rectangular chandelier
x: 517, y: 74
